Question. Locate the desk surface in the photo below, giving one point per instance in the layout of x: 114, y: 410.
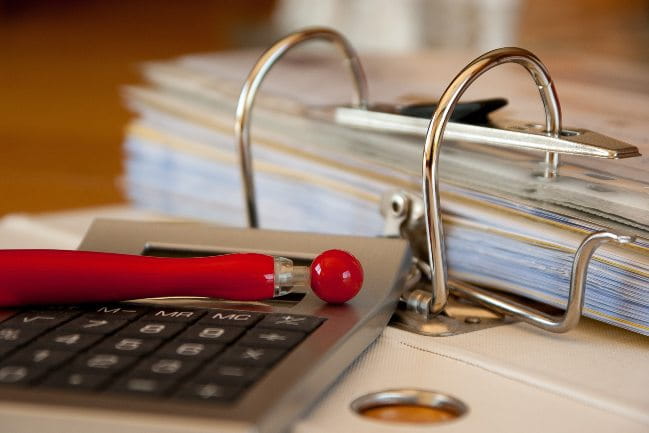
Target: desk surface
x: 513, y: 378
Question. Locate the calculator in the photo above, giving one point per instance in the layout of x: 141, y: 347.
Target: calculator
x: 192, y: 364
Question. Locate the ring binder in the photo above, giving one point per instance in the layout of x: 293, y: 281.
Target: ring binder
x: 254, y: 80
x: 552, y: 142
x: 432, y: 210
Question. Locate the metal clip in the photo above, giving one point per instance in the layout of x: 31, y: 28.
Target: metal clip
x: 433, y: 218
x: 254, y: 80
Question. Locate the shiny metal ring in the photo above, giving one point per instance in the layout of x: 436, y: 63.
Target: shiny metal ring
x: 251, y: 86
x: 576, y: 296
x: 435, y: 134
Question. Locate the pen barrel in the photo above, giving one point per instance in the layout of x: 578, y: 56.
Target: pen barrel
x: 30, y: 277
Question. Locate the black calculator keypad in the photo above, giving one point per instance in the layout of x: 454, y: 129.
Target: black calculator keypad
x: 245, y: 319
x: 147, y: 329
x: 274, y: 338
x: 206, y: 390
x: 290, y: 322
x: 68, y: 341
x: 76, y: 380
x: 13, y: 373
x: 40, y: 357
x: 95, y: 325
x: 202, y: 333
x: 173, y: 315
x: 134, y: 346
x: 40, y: 319
x: 193, y: 354
x: 190, y: 350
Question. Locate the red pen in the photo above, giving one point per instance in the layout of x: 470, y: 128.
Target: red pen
x: 31, y: 277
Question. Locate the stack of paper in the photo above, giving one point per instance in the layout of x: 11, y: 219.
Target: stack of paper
x: 506, y: 227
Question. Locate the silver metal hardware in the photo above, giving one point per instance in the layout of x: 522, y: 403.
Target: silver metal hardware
x: 575, y: 305
x: 251, y: 86
x: 405, y: 216
x: 435, y: 134
x: 417, y: 314
x: 410, y: 397
x: 510, y: 134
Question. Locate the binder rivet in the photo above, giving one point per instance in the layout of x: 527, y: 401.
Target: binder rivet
x: 472, y: 320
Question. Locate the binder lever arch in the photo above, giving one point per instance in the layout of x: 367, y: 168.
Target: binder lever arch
x: 415, y: 220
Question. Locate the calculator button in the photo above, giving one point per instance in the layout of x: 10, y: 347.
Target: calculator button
x: 78, y: 380
x: 272, y: 338
x: 120, y: 311
x: 19, y: 374
x: 230, y: 374
x: 132, y: 346
x: 34, y: 356
x: 290, y: 322
x: 231, y: 318
x: 209, y: 391
x: 40, y: 319
x: 166, y: 368
x: 152, y: 329
x: 99, y: 325
x: 14, y: 336
x: 174, y: 315
x: 104, y: 363
x: 190, y: 350
x: 142, y: 386
x: 251, y: 356
x: 70, y: 341
x: 202, y: 333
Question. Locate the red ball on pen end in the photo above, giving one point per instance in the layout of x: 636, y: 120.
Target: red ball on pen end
x: 336, y: 276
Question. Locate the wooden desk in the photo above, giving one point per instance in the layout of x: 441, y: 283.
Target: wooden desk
x: 61, y: 115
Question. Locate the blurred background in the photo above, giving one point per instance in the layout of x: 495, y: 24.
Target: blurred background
x: 62, y: 63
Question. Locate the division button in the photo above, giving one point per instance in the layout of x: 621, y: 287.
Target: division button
x: 272, y: 338
x: 251, y: 356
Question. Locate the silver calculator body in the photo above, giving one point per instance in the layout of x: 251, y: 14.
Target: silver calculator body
x: 285, y: 392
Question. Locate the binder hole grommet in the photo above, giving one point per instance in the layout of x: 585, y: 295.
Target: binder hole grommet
x: 409, y: 406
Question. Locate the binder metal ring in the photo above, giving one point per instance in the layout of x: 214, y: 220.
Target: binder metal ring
x: 253, y: 82
x: 432, y: 209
